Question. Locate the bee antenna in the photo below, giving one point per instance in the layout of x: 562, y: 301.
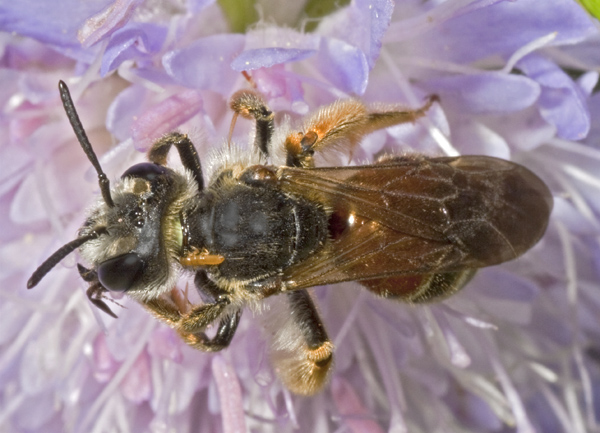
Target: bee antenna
x: 65, y: 96
x: 60, y: 254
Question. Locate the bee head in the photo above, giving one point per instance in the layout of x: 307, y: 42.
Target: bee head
x: 137, y: 250
x: 133, y: 233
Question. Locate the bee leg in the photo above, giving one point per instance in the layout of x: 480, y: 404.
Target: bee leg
x: 191, y: 325
x: 187, y: 153
x: 95, y: 292
x: 344, y: 123
x: 303, y: 362
x: 225, y: 332
x: 250, y: 105
x: 208, y: 290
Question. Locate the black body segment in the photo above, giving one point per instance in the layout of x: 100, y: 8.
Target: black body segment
x: 259, y: 230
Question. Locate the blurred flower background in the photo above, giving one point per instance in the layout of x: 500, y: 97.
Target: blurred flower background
x: 518, y: 350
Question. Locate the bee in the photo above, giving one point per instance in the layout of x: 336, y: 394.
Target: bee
x: 409, y: 228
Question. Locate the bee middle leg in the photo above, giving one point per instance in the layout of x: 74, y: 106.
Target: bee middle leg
x: 250, y: 105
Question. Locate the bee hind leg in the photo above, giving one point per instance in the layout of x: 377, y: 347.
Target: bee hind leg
x: 302, y: 352
x: 345, y: 123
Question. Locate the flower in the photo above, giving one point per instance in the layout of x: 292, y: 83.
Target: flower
x: 516, y: 350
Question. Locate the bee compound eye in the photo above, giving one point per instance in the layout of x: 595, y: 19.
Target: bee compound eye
x: 145, y: 170
x: 120, y: 273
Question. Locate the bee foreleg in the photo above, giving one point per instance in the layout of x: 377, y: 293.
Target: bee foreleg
x: 95, y: 292
x: 302, y: 351
x: 250, y: 105
x: 187, y: 153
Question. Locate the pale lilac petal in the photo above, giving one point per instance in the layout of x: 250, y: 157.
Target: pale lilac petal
x: 344, y: 65
x: 21, y: 54
x: 166, y: 344
x: 196, y: 6
x: 380, y: 12
x: 206, y: 64
x: 362, y: 24
x: 105, y: 365
x: 36, y: 414
x: 570, y: 216
x: 230, y: 394
x: 137, y: 383
x: 474, y: 138
x: 425, y: 20
x: 283, y: 88
x: 134, y: 42
x: 351, y: 409
x: 279, y: 37
x: 588, y: 81
x: 502, y: 28
x: 54, y: 23
x: 524, y: 131
x: 165, y: 117
x: 104, y: 23
x: 126, y: 107
x: 13, y: 167
x: 593, y: 137
x: 562, y: 102
x: 494, y: 285
x: 267, y: 57
x: 485, y: 93
x: 474, y: 412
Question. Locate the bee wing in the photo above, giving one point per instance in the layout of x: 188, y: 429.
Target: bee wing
x: 416, y: 215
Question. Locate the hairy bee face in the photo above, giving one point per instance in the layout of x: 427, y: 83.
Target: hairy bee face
x: 409, y: 228
x: 139, y: 252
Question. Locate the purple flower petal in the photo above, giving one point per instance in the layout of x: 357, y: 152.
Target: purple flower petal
x: 484, y: 93
x: 206, y: 64
x: 105, y: 365
x: 107, y: 21
x: 344, y: 65
x: 593, y: 137
x: 228, y: 386
x: 267, y: 57
x: 524, y: 131
x: 54, y: 23
x: 165, y: 117
x: 165, y: 344
x: 125, y: 108
x: 352, y: 412
x: 362, y: 24
x: 135, y: 41
x: 283, y: 89
x: 502, y: 28
x: 562, y: 102
x: 136, y: 386
x: 380, y: 12
x: 196, y: 6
